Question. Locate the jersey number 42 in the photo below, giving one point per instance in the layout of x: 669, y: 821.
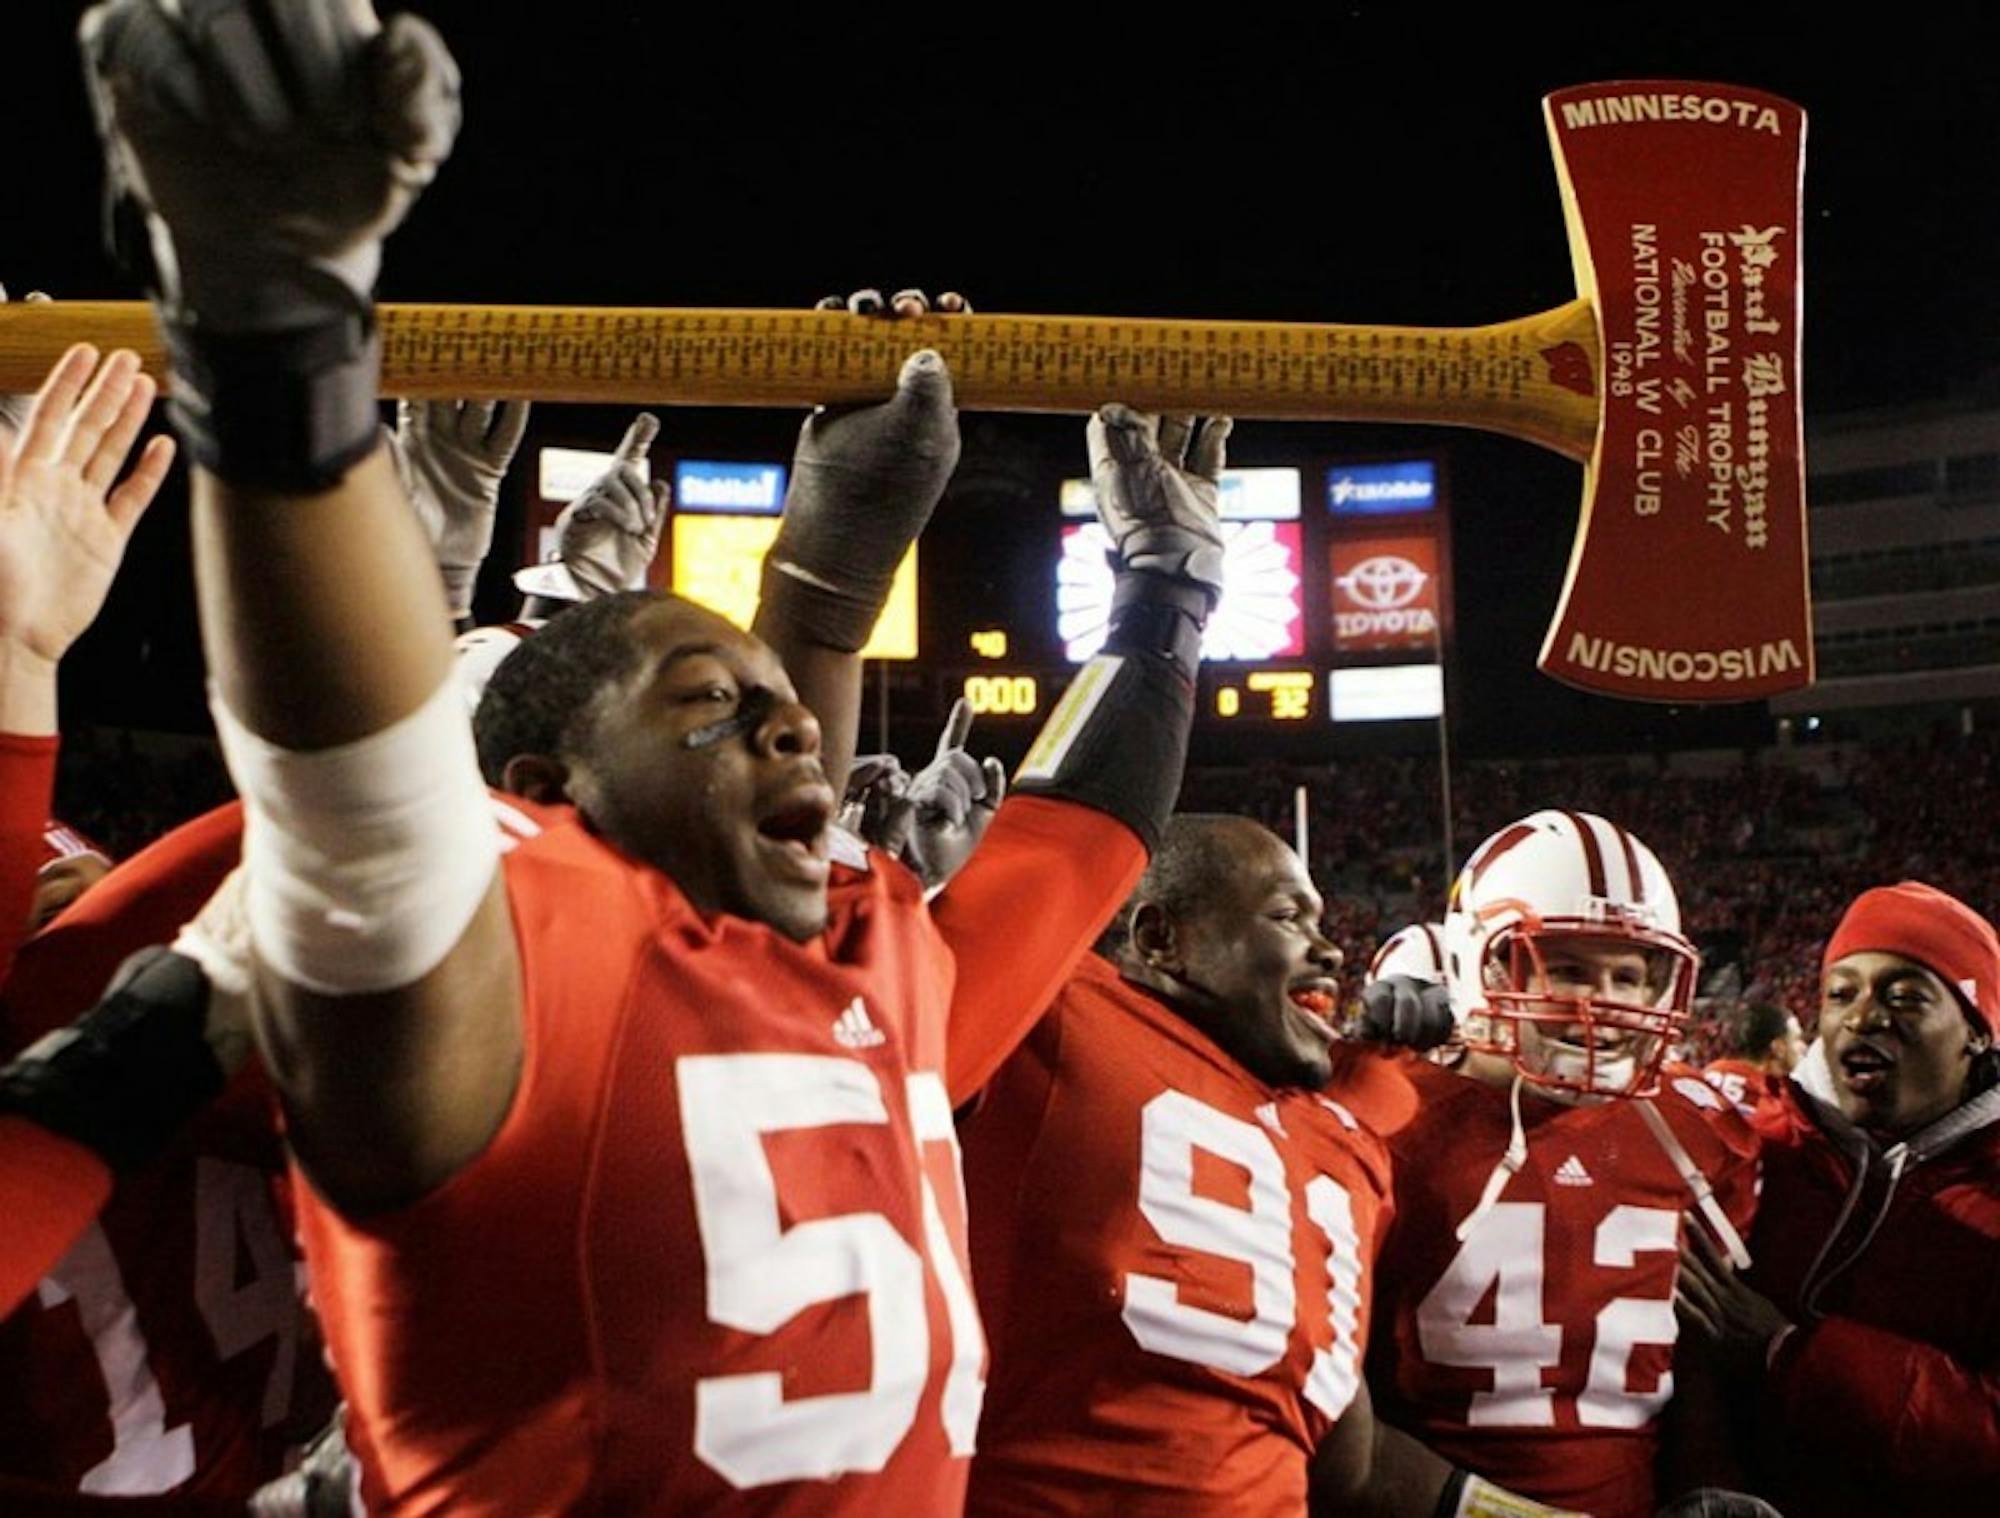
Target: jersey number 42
x: 1502, y: 1262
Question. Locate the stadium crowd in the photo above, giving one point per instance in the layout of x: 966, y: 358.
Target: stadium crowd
x: 1770, y: 845
x: 629, y: 1101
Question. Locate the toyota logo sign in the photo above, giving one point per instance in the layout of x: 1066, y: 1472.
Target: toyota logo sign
x: 1383, y: 583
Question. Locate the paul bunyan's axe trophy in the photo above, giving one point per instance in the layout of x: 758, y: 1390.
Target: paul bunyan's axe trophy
x: 1673, y: 377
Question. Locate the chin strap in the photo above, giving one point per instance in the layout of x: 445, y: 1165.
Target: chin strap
x: 1705, y: 1202
x: 1510, y: 1164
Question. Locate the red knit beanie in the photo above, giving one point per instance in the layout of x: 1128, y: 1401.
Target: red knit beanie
x: 1940, y: 932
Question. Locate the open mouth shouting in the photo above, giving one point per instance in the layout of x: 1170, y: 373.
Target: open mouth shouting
x: 795, y: 832
x: 1865, y: 1068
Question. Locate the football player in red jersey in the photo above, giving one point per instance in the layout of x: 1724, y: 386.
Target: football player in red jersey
x: 1174, y: 1224
x: 1765, y: 1043
x: 63, y: 529
x: 167, y: 1349
x: 1524, y: 1322
x: 103, y: 1394
x: 629, y: 1177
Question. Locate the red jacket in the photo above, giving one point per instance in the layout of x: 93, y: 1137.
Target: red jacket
x: 1887, y: 1397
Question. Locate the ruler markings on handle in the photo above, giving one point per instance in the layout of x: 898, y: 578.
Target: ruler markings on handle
x: 1493, y: 377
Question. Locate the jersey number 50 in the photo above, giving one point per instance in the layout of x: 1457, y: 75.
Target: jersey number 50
x: 762, y: 1274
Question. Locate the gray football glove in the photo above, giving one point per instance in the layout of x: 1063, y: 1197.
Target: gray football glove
x: 951, y: 800
x: 607, y: 537
x: 875, y: 808
x: 934, y: 819
x: 864, y: 483
x: 1157, y: 482
x: 452, y: 457
x: 266, y: 147
x: 326, y: 1484
x: 1401, y: 1009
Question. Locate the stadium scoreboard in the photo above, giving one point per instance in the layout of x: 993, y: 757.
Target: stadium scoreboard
x: 1337, y: 614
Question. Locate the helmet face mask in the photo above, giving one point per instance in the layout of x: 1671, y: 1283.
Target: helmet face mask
x: 1568, y: 1038
x: 1564, y: 956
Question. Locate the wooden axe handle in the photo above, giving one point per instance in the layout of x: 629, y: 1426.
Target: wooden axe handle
x: 1535, y: 378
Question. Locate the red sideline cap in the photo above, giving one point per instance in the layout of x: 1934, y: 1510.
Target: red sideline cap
x: 1940, y: 932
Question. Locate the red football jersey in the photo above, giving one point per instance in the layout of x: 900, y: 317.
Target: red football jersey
x: 1747, y: 1084
x: 714, y: 1259
x: 27, y: 781
x: 161, y: 1352
x: 1537, y: 1351
x: 1173, y: 1260
x: 50, y: 1191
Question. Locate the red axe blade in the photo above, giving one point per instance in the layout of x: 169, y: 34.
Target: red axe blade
x: 1683, y: 203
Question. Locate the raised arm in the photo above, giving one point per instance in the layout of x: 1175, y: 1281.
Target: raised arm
x: 266, y: 163
x: 1097, y: 787
x: 864, y: 483
x: 64, y: 522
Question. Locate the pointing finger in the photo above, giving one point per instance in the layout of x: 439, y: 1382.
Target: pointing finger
x: 639, y: 437
x: 957, y: 727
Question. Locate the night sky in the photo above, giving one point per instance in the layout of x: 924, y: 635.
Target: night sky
x: 1361, y: 166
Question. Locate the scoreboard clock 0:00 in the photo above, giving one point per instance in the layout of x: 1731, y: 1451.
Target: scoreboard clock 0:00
x: 1003, y: 695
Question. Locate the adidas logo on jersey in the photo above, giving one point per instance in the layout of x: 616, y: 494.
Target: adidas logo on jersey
x: 854, y: 1029
x: 1571, y: 1173
x: 1268, y: 1116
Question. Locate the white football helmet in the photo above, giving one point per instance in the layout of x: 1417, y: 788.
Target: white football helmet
x: 1553, y: 886
x: 1416, y: 951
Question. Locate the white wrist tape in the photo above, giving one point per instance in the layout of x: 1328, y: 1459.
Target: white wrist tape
x: 218, y: 939
x: 363, y: 864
